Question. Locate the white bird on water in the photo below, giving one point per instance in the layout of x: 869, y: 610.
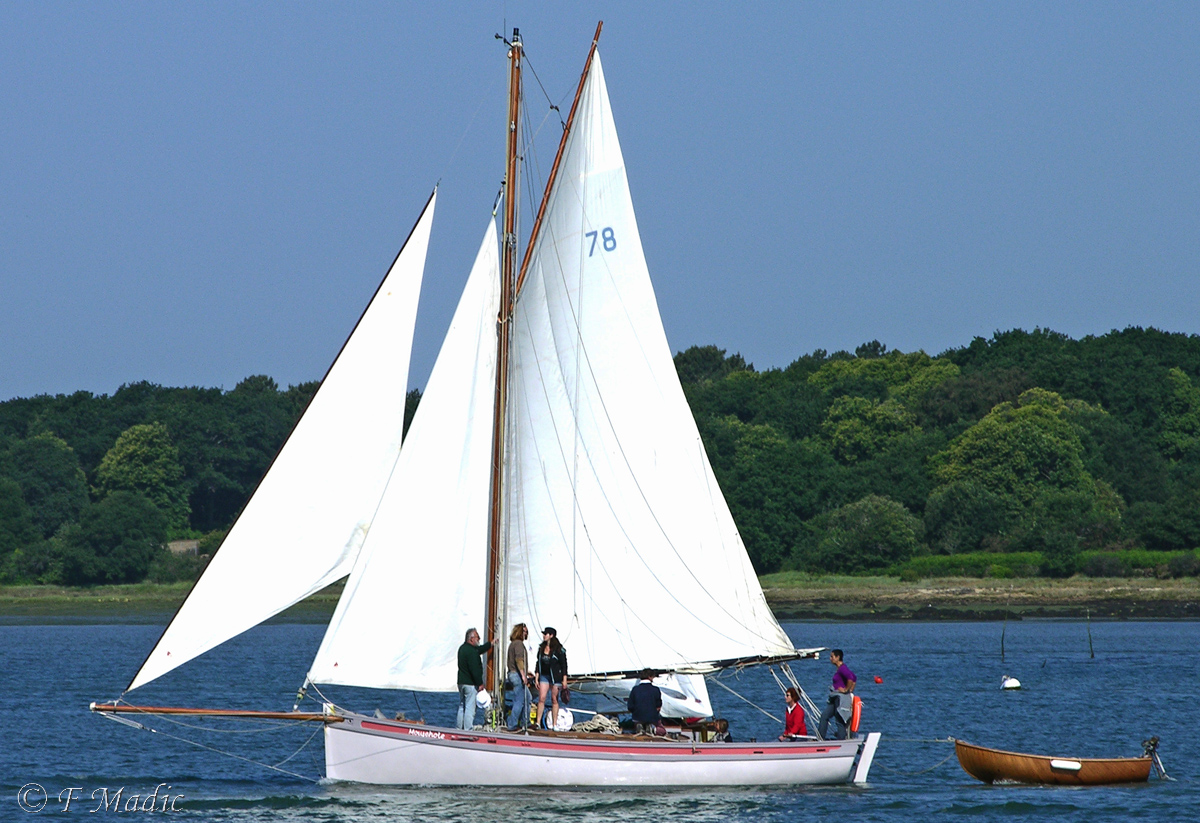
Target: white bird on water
x: 1009, y: 682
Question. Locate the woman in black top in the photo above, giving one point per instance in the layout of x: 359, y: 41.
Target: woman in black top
x: 551, y: 671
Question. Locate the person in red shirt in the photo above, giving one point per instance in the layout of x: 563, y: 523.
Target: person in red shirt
x: 793, y: 725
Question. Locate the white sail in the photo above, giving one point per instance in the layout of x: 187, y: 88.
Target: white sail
x: 617, y: 534
x: 683, y: 695
x: 304, y: 525
x: 419, y: 582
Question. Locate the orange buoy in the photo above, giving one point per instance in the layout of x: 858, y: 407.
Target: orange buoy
x: 878, y: 679
x: 855, y: 714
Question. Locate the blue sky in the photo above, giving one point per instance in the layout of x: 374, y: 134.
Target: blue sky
x: 191, y: 193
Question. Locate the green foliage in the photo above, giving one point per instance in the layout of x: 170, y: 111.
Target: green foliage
x: 1174, y: 524
x: 701, y: 363
x: 1184, y: 565
x: 1018, y: 450
x: 764, y: 496
x: 17, y: 528
x: 171, y: 568
x: 872, y: 533
x: 1026, y: 444
x: 972, y: 564
x: 966, y: 516
x: 143, y: 460
x: 903, y: 377
x: 209, y: 543
x: 116, y: 541
x: 51, y: 480
x: 1181, y: 418
x: 857, y: 427
x: 1140, y: 563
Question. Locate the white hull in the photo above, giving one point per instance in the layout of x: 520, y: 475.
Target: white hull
x: 368, y: 750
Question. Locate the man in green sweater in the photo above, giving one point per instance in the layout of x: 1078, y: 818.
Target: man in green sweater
x: 470, y: 676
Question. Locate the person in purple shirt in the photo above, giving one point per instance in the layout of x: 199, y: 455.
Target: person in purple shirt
x: 840, y: 698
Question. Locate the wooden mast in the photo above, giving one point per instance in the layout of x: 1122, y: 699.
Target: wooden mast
x: 510, y: 284
x: 508, y: 258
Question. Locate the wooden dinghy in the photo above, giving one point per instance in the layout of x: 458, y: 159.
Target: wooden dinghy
x: 995, y: 765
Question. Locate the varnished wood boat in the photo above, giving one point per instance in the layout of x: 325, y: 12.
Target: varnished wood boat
x: 995, y: 765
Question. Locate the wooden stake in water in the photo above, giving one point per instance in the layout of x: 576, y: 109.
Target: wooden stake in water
x: 1088, y: 612
x: 1005, y: 627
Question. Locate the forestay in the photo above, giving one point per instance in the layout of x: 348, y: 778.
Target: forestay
x: 617, y: 533
x: 419, y: 581
x: 308, y: 518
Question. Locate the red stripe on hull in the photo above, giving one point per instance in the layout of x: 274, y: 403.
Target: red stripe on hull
x: 657, y: 747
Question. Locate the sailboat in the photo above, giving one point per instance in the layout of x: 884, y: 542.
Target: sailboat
x: 553, y: 474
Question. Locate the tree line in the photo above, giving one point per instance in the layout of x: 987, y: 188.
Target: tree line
x: 1077, y: 453
x: 1028, y: 443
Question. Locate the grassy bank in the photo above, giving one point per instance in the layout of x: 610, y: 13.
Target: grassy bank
x: 796, y: 595
x: 140, y: 601
x: 793, y: 595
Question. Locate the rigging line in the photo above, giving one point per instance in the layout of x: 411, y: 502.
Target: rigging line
x: 617, y: 519
x: 553, y: 106
x: 325, y: 699
x: 316, y: 731
x: 283, y: 725
x: 743, y: 698
x: 213, y: 749
x: 487, y: 95
x: 914, y: 774
x: 530, y: 161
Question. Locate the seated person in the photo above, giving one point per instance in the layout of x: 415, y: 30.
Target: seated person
x: 721, y: 735
x: 645, y: 702
x: 793, y: 725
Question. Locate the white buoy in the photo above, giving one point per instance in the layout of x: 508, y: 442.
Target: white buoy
x: 1008, y: 682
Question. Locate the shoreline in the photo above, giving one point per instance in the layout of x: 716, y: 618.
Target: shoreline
x: 792, y: 596
x: 797, y: 597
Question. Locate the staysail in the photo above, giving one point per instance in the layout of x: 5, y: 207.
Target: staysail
x: 303, y: 527
x: 617, y: 533
x: 419, y: 580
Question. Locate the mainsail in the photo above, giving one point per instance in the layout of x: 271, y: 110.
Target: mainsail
x: 617, y: 533
x: 303, y: 527
x: 616, y: 530
x: 419, y: 581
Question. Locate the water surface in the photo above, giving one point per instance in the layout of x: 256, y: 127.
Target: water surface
x: 939, y: 679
